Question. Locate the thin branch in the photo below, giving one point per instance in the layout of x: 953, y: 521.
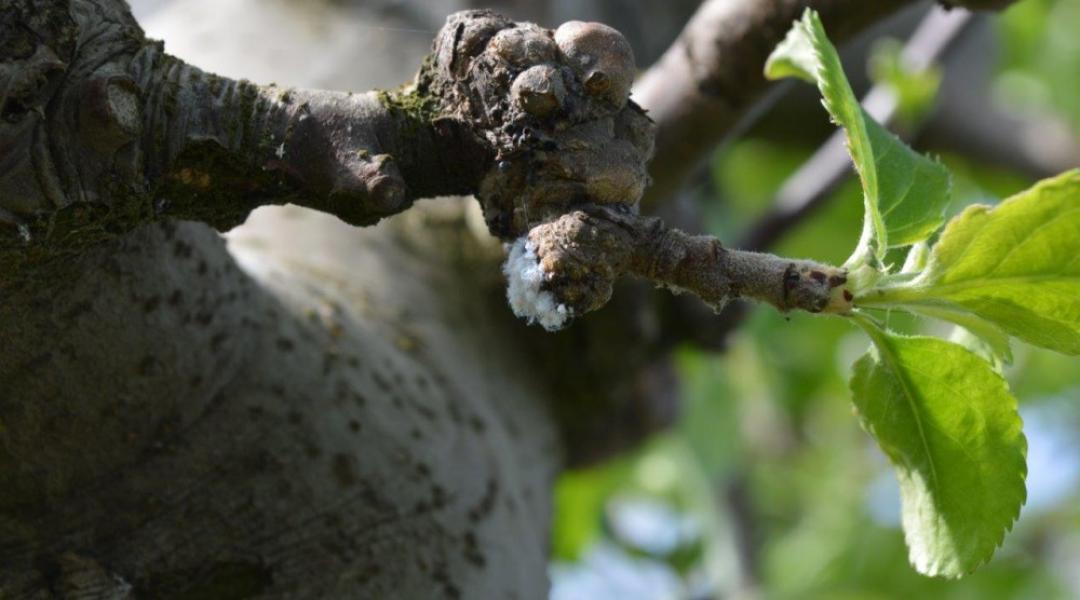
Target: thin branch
x: 811, y: 185
x: 711, y: 76
x: 566, y: 267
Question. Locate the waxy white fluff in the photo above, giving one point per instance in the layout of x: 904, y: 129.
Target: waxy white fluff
x: 524, y: 276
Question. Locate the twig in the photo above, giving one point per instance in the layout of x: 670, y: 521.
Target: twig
x: 810, y: 186
x: 566, y: 267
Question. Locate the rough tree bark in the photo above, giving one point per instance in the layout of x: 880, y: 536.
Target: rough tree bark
x: 186, y: 418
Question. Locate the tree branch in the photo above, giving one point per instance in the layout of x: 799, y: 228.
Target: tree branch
x: 813, y: 182
x: 567, y: 267
x: 115, y: 125
x: 105, y: 131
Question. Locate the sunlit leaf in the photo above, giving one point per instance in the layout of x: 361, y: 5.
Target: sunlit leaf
x: 1016, y: 266
x: 913, y: 189
x: 995, y: 340
x: 949, y: 425
x: 904, y: 192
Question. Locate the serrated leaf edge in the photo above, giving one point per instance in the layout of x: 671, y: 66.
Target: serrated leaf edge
x: 876, y: 334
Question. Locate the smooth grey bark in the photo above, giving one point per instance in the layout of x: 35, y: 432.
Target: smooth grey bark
x: 410, y: 456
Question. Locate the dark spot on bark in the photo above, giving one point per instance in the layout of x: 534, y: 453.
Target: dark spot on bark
x: 441, y: 575
x: 50, y: 571
x: 313, y: 452
x: 455, y: 414
x: 397, y: 402
x: 472, y: 550
x: 423, y: 470
x: 277, y: 390
x: 202, y: 268
x: 181, y: 249
x: 371, y: 498
x: 438, y: 496
x: 255, y: 410
x: 353, y: 361
x: 175, y: 297
x: 354, y: 426
x: 381, y: 381
x: 151, y: 304
x: 329, y: 359
x: 426, y: 412
x: 79, y: 308
x: 13, y: 110
x: 168, y: 228
x: 370, y: 572
x: 148, y: 365
x: 486, y: 504
x: 217, y: 341
x: 219, y: 581
x: 342, y: 389
x: 204, y: 318
x: 359, y: 399
x: 416, y: 434
x: 39, y: 361
x: 285, y: 344
x: 295, y: 417
x: 478, y: 424
x: 791, y: 278
x: 342, y: 467
x: 334, y: 548
x: 196, y: 381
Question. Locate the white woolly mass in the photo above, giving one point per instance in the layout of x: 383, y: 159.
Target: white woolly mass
x: 525, y: 275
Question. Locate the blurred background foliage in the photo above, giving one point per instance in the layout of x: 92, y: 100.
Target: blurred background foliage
x: 767, y: 488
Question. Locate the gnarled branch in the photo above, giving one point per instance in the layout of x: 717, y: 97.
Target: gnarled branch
x: 567, y: 267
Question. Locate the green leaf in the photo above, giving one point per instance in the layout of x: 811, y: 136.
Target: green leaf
x: 949, y: 426
x: 1016, y: 266
x: 996, y: 340
x: 983, y: 348
x: 913, y: 189
x: 904, y: 192
x: 808, y: 54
